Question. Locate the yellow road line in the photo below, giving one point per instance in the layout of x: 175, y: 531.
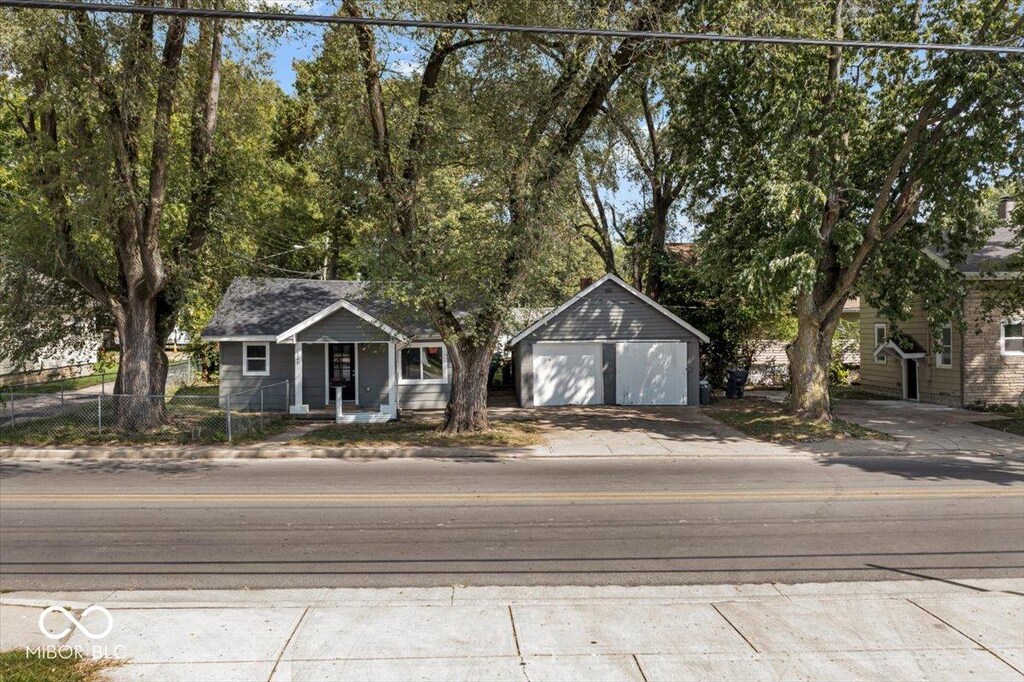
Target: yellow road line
x: 524, y: 496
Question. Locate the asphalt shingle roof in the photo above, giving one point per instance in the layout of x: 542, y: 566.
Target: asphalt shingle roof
x: 995, y: 252
x: 269, y: 306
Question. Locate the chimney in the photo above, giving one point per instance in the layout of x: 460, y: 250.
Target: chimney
x: 585, y: 282
x: 1006, y: 206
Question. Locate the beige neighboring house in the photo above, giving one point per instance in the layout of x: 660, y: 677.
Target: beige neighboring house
x: 983, y: 366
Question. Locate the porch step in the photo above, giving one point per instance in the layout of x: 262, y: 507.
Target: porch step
x: 326, y: 417
x: 364, y: 418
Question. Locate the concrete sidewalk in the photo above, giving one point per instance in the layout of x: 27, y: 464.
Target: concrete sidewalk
x: 899, y: 630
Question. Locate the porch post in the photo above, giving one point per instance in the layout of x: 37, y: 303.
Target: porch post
x: 392, y: 381
x: 298, y: 407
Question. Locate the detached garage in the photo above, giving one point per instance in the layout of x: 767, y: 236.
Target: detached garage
x: 608, y: 345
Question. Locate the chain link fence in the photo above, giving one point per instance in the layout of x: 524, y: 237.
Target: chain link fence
x: 186, y: 414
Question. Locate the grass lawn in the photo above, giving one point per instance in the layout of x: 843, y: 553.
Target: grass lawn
x: 1013, y: 422
x: 69, y: 384
x: 418, y: 432
x: 768, y: 421
x: 194, y: 417
x: 17, y: 666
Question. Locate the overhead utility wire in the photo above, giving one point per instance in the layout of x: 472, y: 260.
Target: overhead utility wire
x: 198, y: 12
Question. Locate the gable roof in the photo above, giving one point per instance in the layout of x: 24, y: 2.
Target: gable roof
x: 333, y: 308
x: 268, y: 308
x: 583, y: 294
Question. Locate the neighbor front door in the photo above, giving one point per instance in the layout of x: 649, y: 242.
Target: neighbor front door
x: 341, y: 370
x: 910, y: 388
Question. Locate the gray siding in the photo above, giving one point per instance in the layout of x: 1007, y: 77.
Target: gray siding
x: 610, y: 313
x: 282, y: 367
x: 525, y: 373
x: 343, y: 327
x: 693, y: 373
x: 314, y: 375
x: 423, y: 396
x: 373, y: 375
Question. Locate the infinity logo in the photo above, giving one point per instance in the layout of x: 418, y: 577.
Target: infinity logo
x: 75, y: 622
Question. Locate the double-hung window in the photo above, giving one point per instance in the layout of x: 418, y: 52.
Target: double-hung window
x: 1011, y: 337
x: 944, y: 353
x: 256, y: 359
x: 881, y: 331
x: 424, y: 363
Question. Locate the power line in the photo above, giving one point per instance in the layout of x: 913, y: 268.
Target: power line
x: 202, y: 13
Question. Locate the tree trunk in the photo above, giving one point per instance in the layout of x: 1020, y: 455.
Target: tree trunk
x: 467, y: 407
x: 142, y: 374
x: 655, y: 281
x: 809, y: 358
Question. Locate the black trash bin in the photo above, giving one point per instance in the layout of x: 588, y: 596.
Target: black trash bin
x: 737, y: 379
x: 705, y: 392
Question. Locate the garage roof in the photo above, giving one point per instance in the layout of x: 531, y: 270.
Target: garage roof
x: 583, y: 294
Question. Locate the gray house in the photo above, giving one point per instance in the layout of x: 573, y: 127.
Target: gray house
x: 326, y: 337
x: 611, y: 345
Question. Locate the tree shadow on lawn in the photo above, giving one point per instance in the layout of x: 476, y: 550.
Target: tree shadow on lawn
x: 935, y: 467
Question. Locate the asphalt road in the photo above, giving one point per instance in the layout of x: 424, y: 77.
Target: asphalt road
x: 201, y: 524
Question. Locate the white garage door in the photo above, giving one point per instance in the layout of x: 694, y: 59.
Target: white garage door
x: 567, y: 374
x: 650, y: 373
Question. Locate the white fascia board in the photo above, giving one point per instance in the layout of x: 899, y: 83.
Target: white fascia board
x: 891, y: 345
x: 609, y: 277
x: 333, y: 308
x: 934, y: 255
x: 253, y: 337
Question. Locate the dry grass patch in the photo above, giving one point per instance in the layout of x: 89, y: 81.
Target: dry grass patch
x: 770, y: 422
x: 422, y: 432
x: 17, y: 665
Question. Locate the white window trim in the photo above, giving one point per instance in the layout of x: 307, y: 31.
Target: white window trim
x: 947, y: 365
x: 424, y: 344
x: 880, y: 359
x: 1002, y: 337
x: 245, y: 359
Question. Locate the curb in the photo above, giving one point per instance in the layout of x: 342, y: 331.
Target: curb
x: 143, y: 452
x: 482, y: 454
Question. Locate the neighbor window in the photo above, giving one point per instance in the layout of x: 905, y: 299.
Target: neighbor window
x: 881, y: 331
x: 256, y: 359
x: 944, y: 355
x: 423, y: 363
x: 1012, y: 337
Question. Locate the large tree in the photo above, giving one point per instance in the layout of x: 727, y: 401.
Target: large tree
x: 634, y: 143
x: 818, y: 166
x: 117, y: 120
x: 469, y: 172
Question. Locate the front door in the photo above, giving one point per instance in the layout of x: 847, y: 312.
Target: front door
x: 341, y: 370
x: 910, y: 385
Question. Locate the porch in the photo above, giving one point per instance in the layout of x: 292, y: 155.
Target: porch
x: 345, y: 381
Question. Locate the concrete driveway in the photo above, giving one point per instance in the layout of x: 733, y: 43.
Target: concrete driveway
x: 620, y: 430
x: 925, y: 428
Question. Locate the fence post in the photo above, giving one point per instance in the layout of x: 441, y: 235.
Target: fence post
x: 99, y: 413
x: 261, y: 409
x: 229, y: 417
